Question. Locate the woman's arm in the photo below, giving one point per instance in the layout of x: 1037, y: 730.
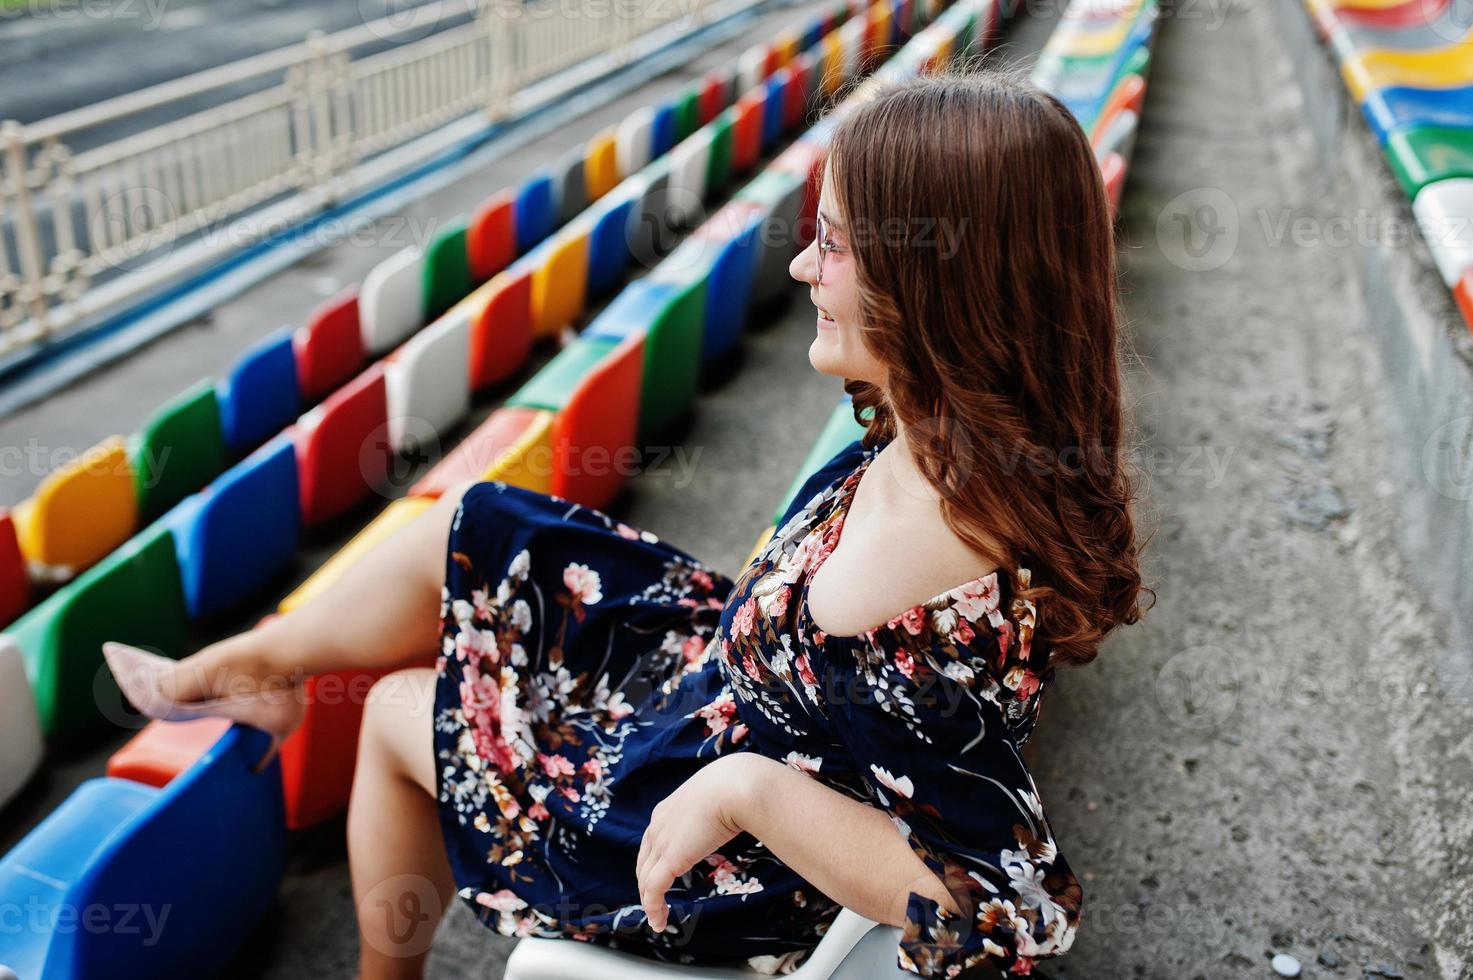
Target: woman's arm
x: 851, y: 852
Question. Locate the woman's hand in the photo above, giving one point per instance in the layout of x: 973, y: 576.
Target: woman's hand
x: 692, y: 822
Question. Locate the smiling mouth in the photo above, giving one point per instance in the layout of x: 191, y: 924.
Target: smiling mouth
x: 823, y: 314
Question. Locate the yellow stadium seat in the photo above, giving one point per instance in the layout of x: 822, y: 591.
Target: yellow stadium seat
x: 832, y: 71
x: 79, y: 513
x: 1449, y: 67
x: 601, y: 169
x: 560, y: 286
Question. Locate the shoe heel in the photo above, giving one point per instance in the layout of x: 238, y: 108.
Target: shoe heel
x: 271, y: 752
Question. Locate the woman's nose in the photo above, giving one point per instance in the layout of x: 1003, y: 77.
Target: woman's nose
x: 803, y: 267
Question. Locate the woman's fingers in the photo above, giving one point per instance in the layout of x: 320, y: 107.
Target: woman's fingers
x: 653, y: 884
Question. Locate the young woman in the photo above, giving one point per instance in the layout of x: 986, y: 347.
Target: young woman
x: 620, y: 744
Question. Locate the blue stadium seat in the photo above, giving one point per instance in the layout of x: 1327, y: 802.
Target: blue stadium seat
x: 536, y: 211
x: 232, y: 536
x: 260, y: 395
x: 608, y: 246
x: 133, y: 881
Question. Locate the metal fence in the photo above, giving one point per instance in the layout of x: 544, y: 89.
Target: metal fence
x: 73, y: 220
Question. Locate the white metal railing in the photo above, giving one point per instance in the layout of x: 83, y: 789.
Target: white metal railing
x: 69, y: 220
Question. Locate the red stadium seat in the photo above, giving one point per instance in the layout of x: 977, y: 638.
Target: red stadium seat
x: 599, y: 423
x: 511, y: 445
x: 329, y: 346
x: 501, y: 330
x: 15, y: 584
x: 342, y: 447
x: 317, y: 759
x: 1464, y: 293
x: 164, y: 749
x: 746, y: 131
x: 491, y: 239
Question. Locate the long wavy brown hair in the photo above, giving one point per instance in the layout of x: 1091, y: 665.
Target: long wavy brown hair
x: 984, y: 248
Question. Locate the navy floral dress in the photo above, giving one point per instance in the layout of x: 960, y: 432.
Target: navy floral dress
x: 589, y: 668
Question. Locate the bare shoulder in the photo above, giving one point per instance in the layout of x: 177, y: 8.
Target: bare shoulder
x: 889, y: 558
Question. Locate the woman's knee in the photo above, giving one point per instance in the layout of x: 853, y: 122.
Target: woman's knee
x: 397, y: 730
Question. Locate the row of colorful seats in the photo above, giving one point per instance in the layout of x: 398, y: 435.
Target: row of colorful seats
x: 217, y: 546
x: 1096, y: 62
x: 84, y: 510
x: 103, y: 843
x: 1408, y: 64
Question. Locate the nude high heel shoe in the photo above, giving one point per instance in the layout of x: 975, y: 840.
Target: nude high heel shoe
x: 277, y: 713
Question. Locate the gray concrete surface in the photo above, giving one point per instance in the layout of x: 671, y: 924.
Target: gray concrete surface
x: 1277, y: 758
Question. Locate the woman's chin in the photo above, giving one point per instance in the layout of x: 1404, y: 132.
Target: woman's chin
x: 825, y: 356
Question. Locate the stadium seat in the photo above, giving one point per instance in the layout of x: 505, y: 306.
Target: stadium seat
x: 775, y: 116
x: 751, y: 65
x: 187, y: 870
x: 134, y: 595
x: 634, y: 140
x: 670, y: 318
x: 491, y: 237
x: 718, y: 166
x: 608, y: 244
x: 601, y: 169
x: 746, y: 132
x: 20, y: 727
x: 1463, y: 293
x: 663, y: 130
x: 687, y: 113
x: 391, y: 300
x: 164, y: 749
x: 1443, y: 210
x: 799, y: 90
x: 536, y: 211
x: 853, y: 948
x: 1397, y: 108
x: 428, y: 383
x: 593, y: 387
x: 689, y: 163
x: 648, y: 228
x: 723, y: 252
x: 500, y: 327
x: 559, y: 279
x: 179, y: 449
x: 317, y: 759
x: 570, y: 185
x: 329, y: 346
x: 513, y: 445
x: 15, y: 583
x: 1446, y: 67
x: 238, y: 532
x: 780, y: 195
x: 79, y: 513
x: 1128, y: 95
x: 342, y: 448
x: 1427, y: 154
x: 447, y: 269
x: 713, y: 96
x: 261, y: 393
x: 1117, y: 135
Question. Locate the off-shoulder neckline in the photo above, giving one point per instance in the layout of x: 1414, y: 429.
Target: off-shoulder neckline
x: 833, y: 524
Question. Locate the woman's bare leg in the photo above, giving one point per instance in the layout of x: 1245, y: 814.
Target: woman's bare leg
x: 402, y: 882
x: 383, y: 612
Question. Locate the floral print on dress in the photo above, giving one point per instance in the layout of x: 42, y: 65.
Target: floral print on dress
x: 588, y: 668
